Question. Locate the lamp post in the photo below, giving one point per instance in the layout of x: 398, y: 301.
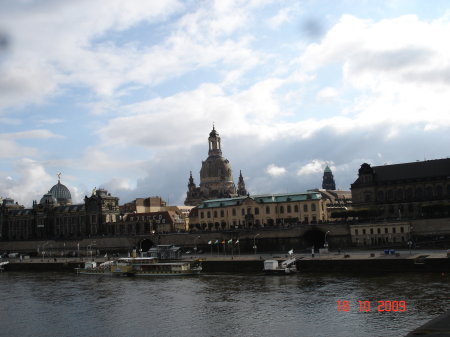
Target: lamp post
x: 326, y: 243
x: 254, y: 242
x: 195, y: 244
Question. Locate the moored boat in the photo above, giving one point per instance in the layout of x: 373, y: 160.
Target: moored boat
x: 141, y: 266
x: 275, y: 267
x: 3, y: 265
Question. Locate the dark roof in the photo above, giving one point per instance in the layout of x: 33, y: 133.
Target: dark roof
x: 437, y: 168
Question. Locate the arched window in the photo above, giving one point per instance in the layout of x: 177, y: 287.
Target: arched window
x: 243, y: 211
x: 313, y: 207
x: 281, y: 209
x: 256, y: 210
x: 305, y: 208
x: 267, y: 210
x: 289, y: 208
x: 215, y: 214
x: 296, y: 208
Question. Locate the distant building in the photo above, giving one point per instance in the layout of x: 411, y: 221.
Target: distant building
x: 143, y: 205
x: 259, y: 211
x: 55, y: 217
x: 216, y: 178
x: 328, y: 180
x: 408, y: 190
x: 335, y: 201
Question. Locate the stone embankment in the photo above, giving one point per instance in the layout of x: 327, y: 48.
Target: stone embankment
x: 436, y: 262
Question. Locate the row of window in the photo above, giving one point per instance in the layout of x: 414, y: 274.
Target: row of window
x: 281, y: 210
x: 418, y: 193
x: 386, y: 230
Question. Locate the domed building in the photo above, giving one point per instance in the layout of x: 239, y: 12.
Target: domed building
x: 59, y: 194
x: 216, y: 176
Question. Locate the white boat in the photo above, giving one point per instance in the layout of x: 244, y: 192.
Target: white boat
x: 275, y: 267
x: 141, y: 266
x: 2, y: 264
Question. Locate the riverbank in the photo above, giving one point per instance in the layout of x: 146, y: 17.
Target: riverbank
x: 436, y: 262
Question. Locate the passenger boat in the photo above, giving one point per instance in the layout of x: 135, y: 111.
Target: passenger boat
x: 275, y: 267
x: 141, y: 266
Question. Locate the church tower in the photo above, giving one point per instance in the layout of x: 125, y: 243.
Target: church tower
x: 328, y: 180
x: 241, y: 185
x: 216, y: 177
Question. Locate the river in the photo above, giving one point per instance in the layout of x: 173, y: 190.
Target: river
x: 63, y: 304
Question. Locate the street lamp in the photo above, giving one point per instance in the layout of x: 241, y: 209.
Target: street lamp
x: 195, y: 244
x: 254, y: 242
x: 326, y: 243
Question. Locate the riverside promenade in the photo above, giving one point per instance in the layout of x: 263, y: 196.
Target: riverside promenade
x: 332, y: 262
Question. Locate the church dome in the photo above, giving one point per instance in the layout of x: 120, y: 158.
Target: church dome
x: 61, y: 193
x: 216, y: 167
x: 48, y: 199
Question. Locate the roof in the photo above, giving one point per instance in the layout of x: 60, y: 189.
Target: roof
x: 437, y: 168
x: 262, y: 199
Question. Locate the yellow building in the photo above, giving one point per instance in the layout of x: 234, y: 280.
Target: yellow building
x: 257, y: 211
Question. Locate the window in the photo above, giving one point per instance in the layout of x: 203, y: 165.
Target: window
x: 243, y: 211
x: 379, y: 230
x: 281, y: 209
x: 209, y: 214
x: 222, y: 214
x: 256, y: 210
x: 233, y: 211
x: 371, y: 231
x: 249, y: 210
x: 215, y: 214
x: 393, y: 230
x: 402, y: 230
x: 305, y: 208
x: 364, y: 231
x: 288, y: 207
x: 385, y: 230
x: 313, y: 207
x: 296, y: 208
x: 267, y: 210
x: 202, y: 215
x: 356, y: 232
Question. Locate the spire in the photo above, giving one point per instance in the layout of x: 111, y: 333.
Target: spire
x: 241, y: 185
x: 191, y: 181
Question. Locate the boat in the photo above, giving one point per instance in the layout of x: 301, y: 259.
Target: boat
x: 275, y: 267
x: 2, y: 265
x: 141, y: 266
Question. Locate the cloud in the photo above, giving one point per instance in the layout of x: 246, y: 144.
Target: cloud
x: 315, y: 166
x: 275, y: 171
x: 327, y: 94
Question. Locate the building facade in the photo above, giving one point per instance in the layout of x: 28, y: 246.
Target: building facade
x: 216, y: 176
x: 55, y: 217
x: 409, y: 190
x: 259, y: 211
x: 380, y: 234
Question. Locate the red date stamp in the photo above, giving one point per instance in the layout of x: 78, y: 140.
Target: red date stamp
x: 368, y: 306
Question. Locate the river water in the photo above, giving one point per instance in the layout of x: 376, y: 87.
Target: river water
x: 62, y: 304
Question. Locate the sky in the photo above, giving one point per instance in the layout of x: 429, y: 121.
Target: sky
x: 122, y: 94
